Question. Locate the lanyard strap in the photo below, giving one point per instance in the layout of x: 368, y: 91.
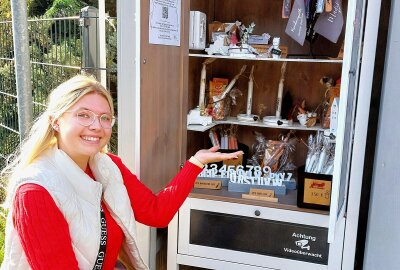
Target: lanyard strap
x: 103, y: 241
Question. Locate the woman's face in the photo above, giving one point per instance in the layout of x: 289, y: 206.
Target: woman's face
x: 78, y: 141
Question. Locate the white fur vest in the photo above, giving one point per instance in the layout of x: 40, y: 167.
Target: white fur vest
x: 79, y: 198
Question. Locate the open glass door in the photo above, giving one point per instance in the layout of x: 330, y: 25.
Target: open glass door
x: 348, y: 101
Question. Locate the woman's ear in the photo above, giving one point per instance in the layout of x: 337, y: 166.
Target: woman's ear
x: 54, y: 123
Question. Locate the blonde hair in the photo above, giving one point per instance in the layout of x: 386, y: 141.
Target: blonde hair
x: 42, y: 135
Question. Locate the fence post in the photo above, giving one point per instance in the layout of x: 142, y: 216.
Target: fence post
x: 90, y: 40
x: 22, y: 65
x: 102, y: 43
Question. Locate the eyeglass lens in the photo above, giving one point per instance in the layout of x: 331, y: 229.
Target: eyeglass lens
x: 87, y: 118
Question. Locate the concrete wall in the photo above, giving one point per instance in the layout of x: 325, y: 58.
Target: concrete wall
x: 383, y: 231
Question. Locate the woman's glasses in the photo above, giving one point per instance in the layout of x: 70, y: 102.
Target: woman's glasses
x: 87, y: 118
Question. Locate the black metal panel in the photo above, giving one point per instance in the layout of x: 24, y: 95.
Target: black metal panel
x: 260, y: 236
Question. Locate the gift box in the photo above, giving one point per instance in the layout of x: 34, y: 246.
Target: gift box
x: 313, y: 190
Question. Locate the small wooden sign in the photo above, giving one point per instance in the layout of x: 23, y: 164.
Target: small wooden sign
x: 208, y: 184
x: 261, y: 48
x: 262, y: 192
x: 259, y: 198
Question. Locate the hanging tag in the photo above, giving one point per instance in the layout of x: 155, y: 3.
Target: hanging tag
x: 307, y: 4
x: 311, y: 35
x: 330, y: 24
x: 286, y: 6
x: 320, y: 6
x: 297, y: 23
x: 328, y: 5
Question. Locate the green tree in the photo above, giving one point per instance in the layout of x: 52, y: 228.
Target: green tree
x: 5, y: 10
x: 65, y: 8
x: 37, y: 8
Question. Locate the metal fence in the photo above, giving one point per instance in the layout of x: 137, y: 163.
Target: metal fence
x: 59, y: 49
x: 9, y: 135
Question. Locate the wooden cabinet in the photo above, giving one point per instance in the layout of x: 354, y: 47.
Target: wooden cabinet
x: 216, y: 209
x: 159, y: 84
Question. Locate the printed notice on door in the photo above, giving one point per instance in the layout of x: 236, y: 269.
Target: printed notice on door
x: 164, y: 22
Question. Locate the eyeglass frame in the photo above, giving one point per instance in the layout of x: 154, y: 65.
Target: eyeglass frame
x: 113, y: 118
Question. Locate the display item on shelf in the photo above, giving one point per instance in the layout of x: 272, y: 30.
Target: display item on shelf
x: 334, y: 116
x: 198, y: 115
x: 248, y: 116
x: 242, y: 51
x: 218, y: 47
x: 218, y: 27
x: 217, y: 109
x: 230, y: 86
x: 197, y: 30
x: 224, y: 140
x: 328, y: 83
x: 275, y: 51
x: 259, y: 39
x: 278, y: 154
x: 227, y: 140
x: 306, y: 118
x: 277, y: 119
x: 234, y: 33
x: 321, y: 153
x: 314, y: 190
x: 214, y: 138
x: 202, y: 91
x: 258, y: 149
x: 286, y: 7
x: 241, y: 178
x: 245, y: 32
x: 194, y: 117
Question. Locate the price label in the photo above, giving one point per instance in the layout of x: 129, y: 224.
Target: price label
x: 317, y: 191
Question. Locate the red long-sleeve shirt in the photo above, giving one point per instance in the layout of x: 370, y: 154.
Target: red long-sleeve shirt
x: 44, y: 232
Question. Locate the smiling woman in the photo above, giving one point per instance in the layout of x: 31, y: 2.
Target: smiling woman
x: 65, y: 187
x: 82, y: 134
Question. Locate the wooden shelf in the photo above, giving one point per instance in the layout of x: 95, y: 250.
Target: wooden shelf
x: 300, y: 60
x: 287, y: 202
x: 234, y: 121
x: 201, y: 128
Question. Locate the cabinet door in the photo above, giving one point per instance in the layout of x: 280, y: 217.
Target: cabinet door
x: 348, y: 98
x: 162, y: 113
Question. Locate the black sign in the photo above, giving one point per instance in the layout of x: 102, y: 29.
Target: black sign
x: 276, y: 52
x: 260, y: 236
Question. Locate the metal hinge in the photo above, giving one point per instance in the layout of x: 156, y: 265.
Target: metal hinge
x: 84, y: 21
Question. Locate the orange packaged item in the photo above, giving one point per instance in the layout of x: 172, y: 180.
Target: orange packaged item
x: 217, y: 87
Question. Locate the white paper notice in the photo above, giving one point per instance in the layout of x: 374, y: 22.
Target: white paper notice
x: 164, y: 22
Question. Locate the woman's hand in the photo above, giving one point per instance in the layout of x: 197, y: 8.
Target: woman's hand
x: 211, y: 155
